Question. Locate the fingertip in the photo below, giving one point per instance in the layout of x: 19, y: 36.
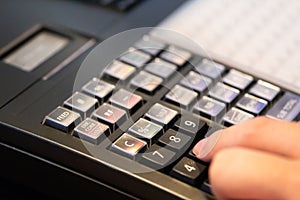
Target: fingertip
x: 204, y: 147
x: 197, y: 147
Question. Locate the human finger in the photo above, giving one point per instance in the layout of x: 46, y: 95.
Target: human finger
x: 240, y: 173
x: 261, y: 133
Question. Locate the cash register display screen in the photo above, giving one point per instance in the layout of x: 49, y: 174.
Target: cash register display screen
x: 36, y: 50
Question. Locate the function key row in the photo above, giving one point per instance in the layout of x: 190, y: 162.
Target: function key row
x: 87, y: 113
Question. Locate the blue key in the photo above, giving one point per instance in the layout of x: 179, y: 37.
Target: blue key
x: 235, y: 116
x: 210, y: 68
x: 286, y: 108
x: 224, y: 93
x: 237, y: 79
x: 196, y: 81
x: 210, y: 108
x: 252, y: 104
x: 265, y: 90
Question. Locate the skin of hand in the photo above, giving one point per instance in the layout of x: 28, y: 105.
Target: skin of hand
x: 256, y: 159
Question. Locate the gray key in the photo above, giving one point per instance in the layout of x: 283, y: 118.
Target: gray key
x: 91, y: 131
x: 175, y: 139
x: 146, y: 130
x: 210, y: 108
x: 196, y: 81
x: 209, y: 68
x: 62, y: 118
x: 110, y: 115
x: 252, y: 104
x: 119, y: 71
x: 135, y: 57
x: 128, y: 145
x: 161, y: 114
x: 176, y: 55
x: 265, y: 90
x: 150, y: 46
x: 82, y: 104
x: 235, y: 116
x: 126, y: 100
x: 158, y: 157
x: 181, y: 96
x: 146, y: 82
x: 224, y: 93
x: 286, y: 108
x: 98, y: 88
x: 161, y: 68
x: 237, y: 79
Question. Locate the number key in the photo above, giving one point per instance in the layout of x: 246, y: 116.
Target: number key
x: 175, y: 139
x: 190, y: 124
x: 188, y: 170
x: 158, y: 157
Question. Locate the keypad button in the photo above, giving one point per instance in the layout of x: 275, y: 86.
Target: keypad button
x: 128, y: 145
x: 252, y: 104
x: 146, y: 82
x: 224, y: 93
x: 149, y: 46
x: 196, y: 82
x: 237, y: 79
x: 110, y: 115
x: 99, y: 89
x: 210, y: 69
x: 175, y: 140
x: 119, y: 71
x: 189, y: 171
x: 81, y: 103
x: 264, y: 90
x: 235, y: 116
x: 210, y: 108
x: 62, y: 119
x: 286, y: 108
x: 91, y: 131
x: 158, y: 157
x: 161, y: 114
x: 161, y: 68
x: 135, y: 57
x: 181, y: 96
x: 190, y: 124
x: 126, y: 100
x: 146, y: 130
x: 176, y: 55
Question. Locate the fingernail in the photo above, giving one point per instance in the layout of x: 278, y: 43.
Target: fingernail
x: 206, y: 145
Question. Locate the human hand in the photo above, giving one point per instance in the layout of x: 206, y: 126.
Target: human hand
x: 256, y: 159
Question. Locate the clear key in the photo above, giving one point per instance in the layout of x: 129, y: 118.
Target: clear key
x: 128, y: 145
